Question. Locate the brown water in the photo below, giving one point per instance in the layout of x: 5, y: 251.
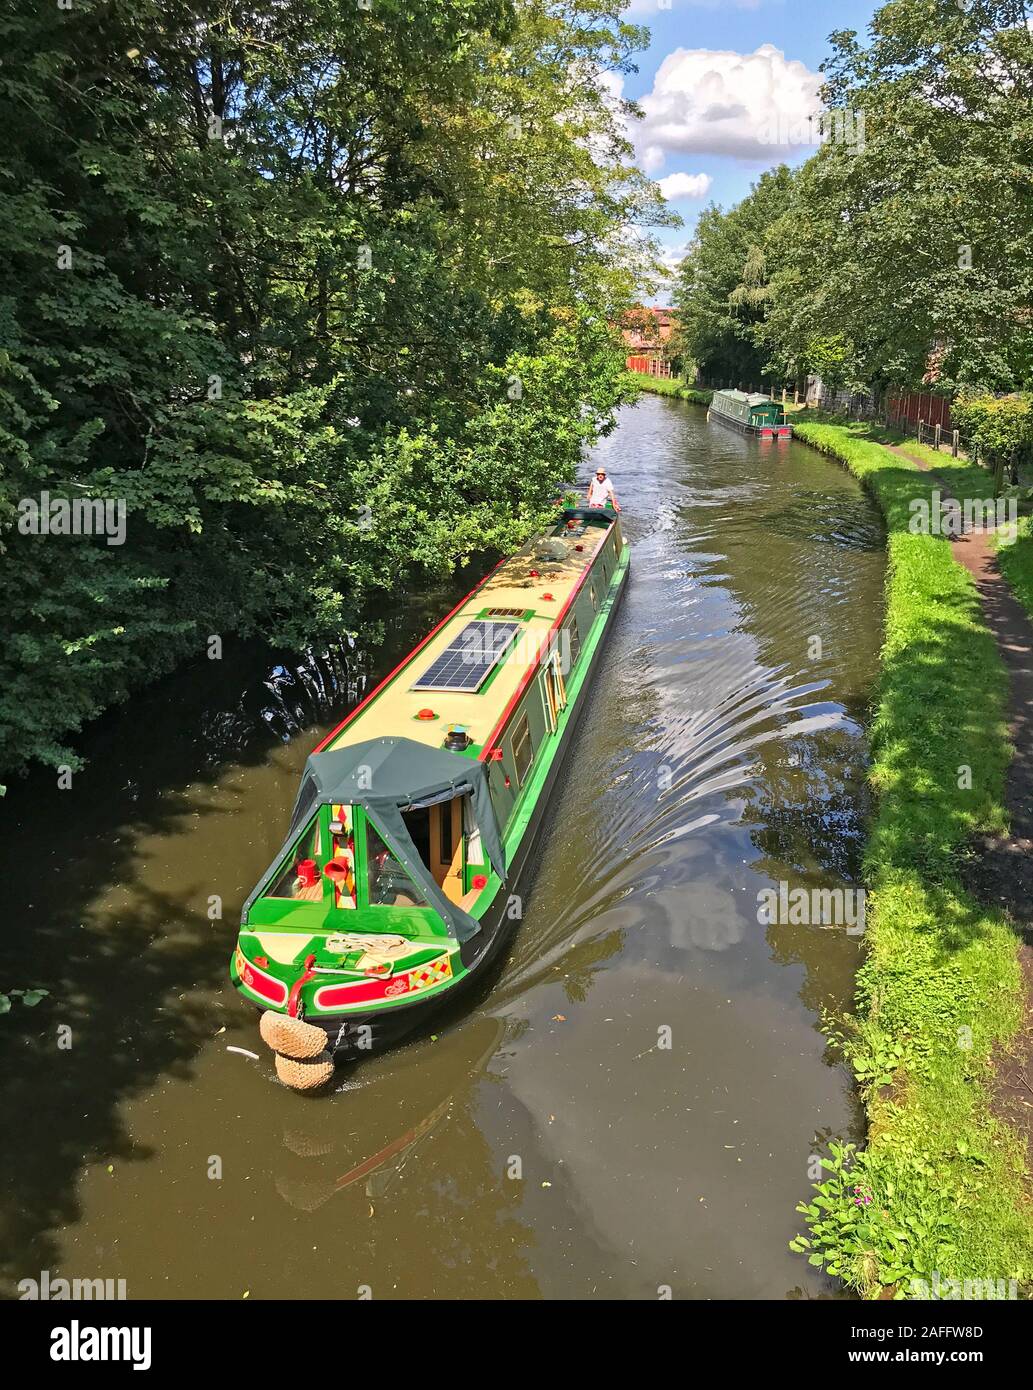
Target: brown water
x: 718, y: 756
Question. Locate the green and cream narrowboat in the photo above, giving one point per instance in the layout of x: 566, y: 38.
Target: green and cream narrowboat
x: 417, y: 816
x: 750, y: 412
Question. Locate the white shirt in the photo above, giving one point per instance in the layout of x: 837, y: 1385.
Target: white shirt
x: 599, y: 492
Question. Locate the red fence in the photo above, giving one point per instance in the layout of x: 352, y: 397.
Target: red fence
x: 653, y: 366
x: 920, y: 405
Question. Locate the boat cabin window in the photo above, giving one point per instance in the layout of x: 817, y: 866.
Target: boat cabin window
x: 523, y: 750
x: 326, y: 859
x: 324, y: 852
x: 299, y: 877
x: 389, y: 882
x: 571, y: 645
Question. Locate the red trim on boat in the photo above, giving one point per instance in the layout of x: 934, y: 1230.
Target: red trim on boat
x: 405, y: 661
x: 266, y: 986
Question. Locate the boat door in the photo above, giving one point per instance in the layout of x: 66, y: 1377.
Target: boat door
x: 446, y: 847
x: 555, y: 690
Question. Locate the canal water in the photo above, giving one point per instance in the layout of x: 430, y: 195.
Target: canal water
x: 633, y: 1104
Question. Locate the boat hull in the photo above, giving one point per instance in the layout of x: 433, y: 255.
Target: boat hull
x: 357, y: 1034
x: 757, y: 431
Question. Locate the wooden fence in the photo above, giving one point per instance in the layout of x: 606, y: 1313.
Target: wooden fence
x: 919, y: 407
x: 648, y: 366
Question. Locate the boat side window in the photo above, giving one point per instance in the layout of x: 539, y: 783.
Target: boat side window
x: 523, y: 749
x: 299, y: 877
x: 390, y: 884
x: 570, y: 645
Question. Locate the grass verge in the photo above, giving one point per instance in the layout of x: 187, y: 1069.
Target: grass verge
x: 1016, y: 563
x: 671, y: 386
x: 968, y: 480
x: 937, y: 1193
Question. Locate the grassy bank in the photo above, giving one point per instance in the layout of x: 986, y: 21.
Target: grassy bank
x: 671, y: 386
x: 968, y: 480
x: 939, y: 1186
x: 1017, y: 564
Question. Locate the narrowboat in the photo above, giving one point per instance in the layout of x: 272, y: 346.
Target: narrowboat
x: 750, y: 412
x: 416, y: 818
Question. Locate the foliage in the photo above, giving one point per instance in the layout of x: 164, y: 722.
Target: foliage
x: 913, y: 241
x: 899, y: 253
x: 1000, y: 427
x: 672, y: 386
x: 319, y: 293
x: 29, y: 997
x: 1016, y: 563
x: 722, y: 289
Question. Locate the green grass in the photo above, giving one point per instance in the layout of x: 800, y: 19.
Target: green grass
x: 940, y: 1183
x: 966, y: 481
x: 1017, y: 564
x: 671, y: 386
x: 964, y: 478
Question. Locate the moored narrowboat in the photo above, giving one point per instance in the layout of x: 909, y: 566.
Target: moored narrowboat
x: 750, y: 412
x: 417, y: 816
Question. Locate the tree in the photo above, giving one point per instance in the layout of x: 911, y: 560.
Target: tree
x: 914, y: 236
x: 318, y: 294
x: 722, y: 288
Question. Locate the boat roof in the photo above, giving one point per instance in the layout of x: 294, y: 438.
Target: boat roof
x: 751, y: 397
x: 537, y: 586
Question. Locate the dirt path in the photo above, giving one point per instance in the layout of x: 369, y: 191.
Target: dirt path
x: 1002, y: 873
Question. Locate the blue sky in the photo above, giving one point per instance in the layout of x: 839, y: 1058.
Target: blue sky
x: 718, y: 111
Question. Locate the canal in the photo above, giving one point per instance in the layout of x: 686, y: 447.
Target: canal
x: 634, y: 1103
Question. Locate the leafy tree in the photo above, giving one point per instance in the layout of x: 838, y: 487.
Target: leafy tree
x: 320, y: 294
x: 722, y: 288
x: 910, y: 238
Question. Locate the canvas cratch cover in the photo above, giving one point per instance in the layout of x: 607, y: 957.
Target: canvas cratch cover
x: 387, y: 776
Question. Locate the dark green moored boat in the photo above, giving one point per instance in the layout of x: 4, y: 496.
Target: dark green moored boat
x: 750, y: 412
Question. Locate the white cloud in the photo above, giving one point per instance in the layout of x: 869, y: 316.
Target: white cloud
x: 752, y: 106
x: 612, y: 84
x: 676, y: 186
x: 651, y: 158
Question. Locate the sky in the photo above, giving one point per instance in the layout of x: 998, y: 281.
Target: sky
x: 727, y: 87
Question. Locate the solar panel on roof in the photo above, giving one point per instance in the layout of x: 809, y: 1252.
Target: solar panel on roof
x: 469, y: 658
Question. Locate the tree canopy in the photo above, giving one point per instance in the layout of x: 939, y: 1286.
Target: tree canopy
x: 320, y: 292
x: 903, y: 254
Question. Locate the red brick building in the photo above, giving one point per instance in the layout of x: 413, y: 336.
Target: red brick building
x: 646, y: 333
